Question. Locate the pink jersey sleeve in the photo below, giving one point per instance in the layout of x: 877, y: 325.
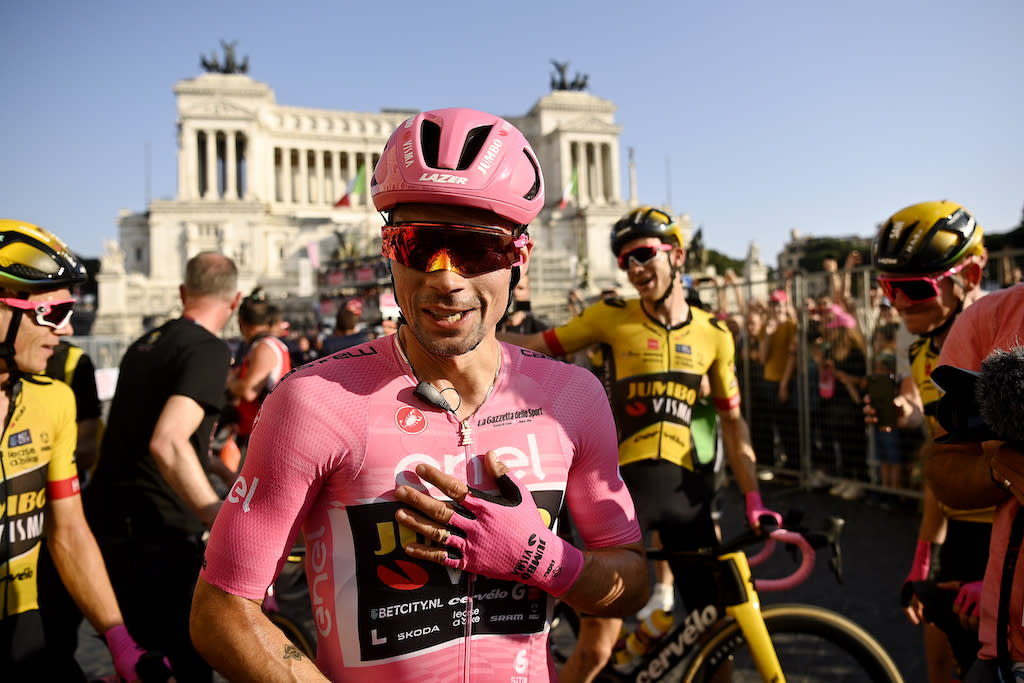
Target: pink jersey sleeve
x: 298, y: 442
x: 601, y: 506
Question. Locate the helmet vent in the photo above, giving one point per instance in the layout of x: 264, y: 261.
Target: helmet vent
x: 471, y: 148
x: 536, y: 183
x: 430, y: 142
x: 20, y: 270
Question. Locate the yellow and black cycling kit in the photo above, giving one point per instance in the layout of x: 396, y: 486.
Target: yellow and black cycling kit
x: 38, y: 463
x: 652, y: 373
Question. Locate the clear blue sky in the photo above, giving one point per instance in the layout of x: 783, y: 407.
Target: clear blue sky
x: 752, y: 117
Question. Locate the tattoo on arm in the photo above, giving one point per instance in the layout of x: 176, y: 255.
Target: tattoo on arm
x: 292, y: 652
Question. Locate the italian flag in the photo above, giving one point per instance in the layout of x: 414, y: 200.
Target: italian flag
x: 568, y: 191
x: 356, y: 186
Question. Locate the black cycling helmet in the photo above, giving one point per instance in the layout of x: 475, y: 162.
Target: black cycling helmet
x: 645, y: 221
x: 35, y: 260
x: 32, y: 260
x: 926, y: 238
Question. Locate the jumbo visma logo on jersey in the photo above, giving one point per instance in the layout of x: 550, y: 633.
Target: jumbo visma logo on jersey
x: 645, y: 400
x: 22, y: 512
x: 407, y: 605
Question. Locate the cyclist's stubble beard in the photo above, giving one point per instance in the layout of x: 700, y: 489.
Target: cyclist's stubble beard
x: 457, y: 342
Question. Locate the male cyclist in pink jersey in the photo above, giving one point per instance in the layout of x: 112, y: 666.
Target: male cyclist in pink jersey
x: 427, y: 468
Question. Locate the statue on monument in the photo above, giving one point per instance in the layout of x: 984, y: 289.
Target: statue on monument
x: 696, y: 255
x: 231, y: 64
x: 112, y: 260
x: 559, y: 81
x: 754, y: 253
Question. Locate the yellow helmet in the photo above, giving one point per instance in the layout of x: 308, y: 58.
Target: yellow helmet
x: 926, y: 238
x: 34, y: 260
x: 645, y: 221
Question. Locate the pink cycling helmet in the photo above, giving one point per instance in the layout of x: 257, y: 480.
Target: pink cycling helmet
x: 461, y: 157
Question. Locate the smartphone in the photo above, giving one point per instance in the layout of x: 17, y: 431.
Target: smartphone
x: 882, y: 390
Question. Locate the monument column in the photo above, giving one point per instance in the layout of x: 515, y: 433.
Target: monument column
x: 319, y: 184
x: 583, y: 177
x: 230, y: 166
x: 187, y: 180
x: 335, y: 177
x: 211, y: 164
x: 287, y: 180
x: 303, y: 195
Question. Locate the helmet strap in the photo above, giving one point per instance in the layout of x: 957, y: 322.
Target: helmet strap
x: 7, y: 346
x: 513, y: 281
x: 673, y: 280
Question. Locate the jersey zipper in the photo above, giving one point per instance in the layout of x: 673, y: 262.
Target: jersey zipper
x: 668, y: 361
x: 466, y: 442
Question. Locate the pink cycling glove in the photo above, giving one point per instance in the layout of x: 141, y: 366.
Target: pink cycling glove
x: 922, y: 562
x: 504, y: 537
x: 968, y: 598
x: 125, y: 651
x: 756, y: 508
x: 919, y: 570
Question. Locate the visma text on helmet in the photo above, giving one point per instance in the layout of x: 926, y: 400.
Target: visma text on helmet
x: 444, y: 178
x: 407, y: 155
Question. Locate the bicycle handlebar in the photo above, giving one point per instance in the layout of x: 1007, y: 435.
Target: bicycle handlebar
x: 798, y: 576
x: 801, y: 542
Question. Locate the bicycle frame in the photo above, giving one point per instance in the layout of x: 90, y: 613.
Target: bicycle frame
x: 740, y: 601
x: 737, y: 594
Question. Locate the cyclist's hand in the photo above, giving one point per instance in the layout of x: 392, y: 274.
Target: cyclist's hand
x: 500, y: 536
x: 912, y: 606
x: 967, y: 604
x: 919, y: 570
x: 127, y: 654
x: 756, y: 510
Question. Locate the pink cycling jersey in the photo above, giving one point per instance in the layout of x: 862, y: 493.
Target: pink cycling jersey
x: 334, y: 440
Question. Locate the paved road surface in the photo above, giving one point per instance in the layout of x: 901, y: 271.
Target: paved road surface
x: 877, y: 544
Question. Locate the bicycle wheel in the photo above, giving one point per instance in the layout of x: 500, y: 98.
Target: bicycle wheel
x: 295, y: 634
x: 814, y: 645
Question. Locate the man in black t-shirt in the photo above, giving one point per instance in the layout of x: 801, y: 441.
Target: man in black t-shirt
x: 520, y: 319
x: 150, y: 500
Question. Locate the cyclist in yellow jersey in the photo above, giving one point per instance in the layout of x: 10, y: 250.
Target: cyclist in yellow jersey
x: 38, y: 477
x: 931, y: 256
x: 657, y: 349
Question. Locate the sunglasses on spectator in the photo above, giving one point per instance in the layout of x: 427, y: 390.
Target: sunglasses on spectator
x: 917, y: 289
x: 641, y: 256
x: 462, y: 249
x: 55, y: 314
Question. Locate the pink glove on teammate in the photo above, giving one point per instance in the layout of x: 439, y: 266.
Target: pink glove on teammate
x: 966, y: 602
x: 756, y: 508
x: 504, y: 537
x: 125, y: 651
x: 922, y: 562
x: 919, y: 570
